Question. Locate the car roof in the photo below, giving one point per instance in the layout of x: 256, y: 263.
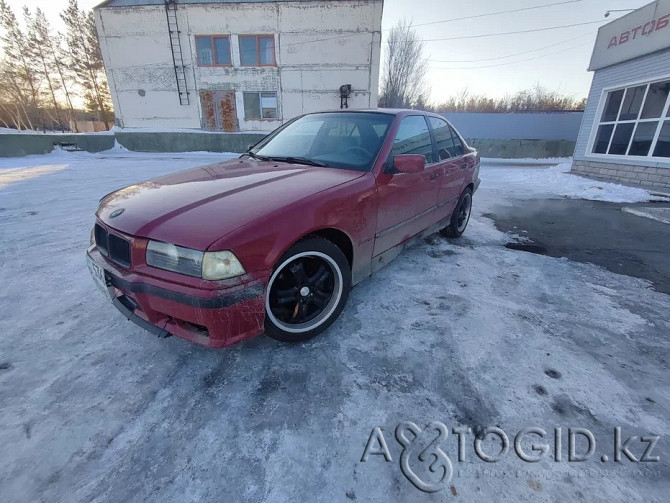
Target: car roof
x: 387, y: 111
x: 393, y: 111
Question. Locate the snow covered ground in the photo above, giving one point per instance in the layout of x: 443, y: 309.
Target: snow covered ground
x: 513, y: 181
x: 463, y: 332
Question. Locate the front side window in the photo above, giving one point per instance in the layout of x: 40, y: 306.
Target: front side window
x: 345, y: 140
x: 413, y: 138
x: 634, y: 122
x: 260, y: 105
x: 257, y: 50
x: 213, y: 50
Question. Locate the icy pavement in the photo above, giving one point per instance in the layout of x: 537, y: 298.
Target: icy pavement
x: 462, y: 332
x: 658, y: 214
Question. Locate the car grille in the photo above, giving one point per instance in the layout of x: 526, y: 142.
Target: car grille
x: 112, y: 246
x: 101, y: 239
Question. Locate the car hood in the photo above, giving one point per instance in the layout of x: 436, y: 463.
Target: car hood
x: 195, y: 207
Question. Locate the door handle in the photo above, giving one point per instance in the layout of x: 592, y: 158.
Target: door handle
x: 464, y: 165
x: 433, y: 176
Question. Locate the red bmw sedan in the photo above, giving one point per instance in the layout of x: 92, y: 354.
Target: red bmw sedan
x: 272, y: 242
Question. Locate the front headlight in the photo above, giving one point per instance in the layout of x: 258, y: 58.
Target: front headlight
x: 206, y: 265
x: 174, y: 258
x: 221, y: 265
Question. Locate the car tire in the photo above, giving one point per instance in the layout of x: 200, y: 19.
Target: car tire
x: 307, y: 291
x: 460, y: 217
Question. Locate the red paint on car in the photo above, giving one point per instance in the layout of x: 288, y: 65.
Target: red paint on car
x: 259, y: 208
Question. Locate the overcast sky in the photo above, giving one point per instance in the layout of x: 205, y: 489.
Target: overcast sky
x: 558, y: 60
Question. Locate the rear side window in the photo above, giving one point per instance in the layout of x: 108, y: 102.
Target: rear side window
x: 446, y: 149
x: 459, y: 148
x: 448, y: 143
x: 413, y: 138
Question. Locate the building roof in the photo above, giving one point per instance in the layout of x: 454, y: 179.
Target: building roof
x: 137, y: 3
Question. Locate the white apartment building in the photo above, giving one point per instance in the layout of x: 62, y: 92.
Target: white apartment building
x: 231, y: 65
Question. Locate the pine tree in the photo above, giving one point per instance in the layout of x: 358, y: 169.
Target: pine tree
x: 13, y: 103
x: 20, y: 71
x: 65, y: 76
x: 97, y: 67
x: 85, y: 60
x: 38, y: 42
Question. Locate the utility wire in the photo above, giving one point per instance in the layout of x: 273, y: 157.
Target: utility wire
x: 494, y: 13
x: 513, y: 32
x: 509, y: 55
x: 450, y: 38
x: 509, y: 62
x: 339, y: 37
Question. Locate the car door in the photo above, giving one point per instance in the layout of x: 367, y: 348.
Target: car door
x: 452, y: 162
x: 407, y: 202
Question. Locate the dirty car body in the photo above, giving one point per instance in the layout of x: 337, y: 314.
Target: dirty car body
x: 221, y: 253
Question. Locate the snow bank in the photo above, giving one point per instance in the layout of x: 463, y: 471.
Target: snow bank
x: 117, y: 129
x: 6, y: 130
x: 514, y: 181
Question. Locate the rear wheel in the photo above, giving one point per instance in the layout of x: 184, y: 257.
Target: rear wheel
x: 460, y: 217
x: 307, y: 290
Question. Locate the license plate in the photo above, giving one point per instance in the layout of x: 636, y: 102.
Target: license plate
x: 98, y: 274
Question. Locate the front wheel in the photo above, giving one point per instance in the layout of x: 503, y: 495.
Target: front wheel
x: 307, y: 290
x: 460, y: 217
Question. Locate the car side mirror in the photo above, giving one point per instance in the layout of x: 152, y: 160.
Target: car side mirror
x: 409, y: 163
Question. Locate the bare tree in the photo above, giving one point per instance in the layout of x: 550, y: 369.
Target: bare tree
x: 463, y: 101
x: 404, y: 76
x: 422, y: 104
x: 539, y: 98
x: 535, y: 99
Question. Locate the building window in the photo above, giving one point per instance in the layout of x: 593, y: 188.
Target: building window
x: 635, y: 121
x: 213, y: 50
x: 257, y: 50
x: 260, y: 106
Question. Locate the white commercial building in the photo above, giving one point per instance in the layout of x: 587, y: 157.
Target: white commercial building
x: 230, y: 65
x: 625, y: 133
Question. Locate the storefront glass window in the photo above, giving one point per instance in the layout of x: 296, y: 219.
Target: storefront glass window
x: 629, y: 123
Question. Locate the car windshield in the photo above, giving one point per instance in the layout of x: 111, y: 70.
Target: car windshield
x: 336, y: 140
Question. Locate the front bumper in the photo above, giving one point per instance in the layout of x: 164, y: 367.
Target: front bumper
x: 211, y: 318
